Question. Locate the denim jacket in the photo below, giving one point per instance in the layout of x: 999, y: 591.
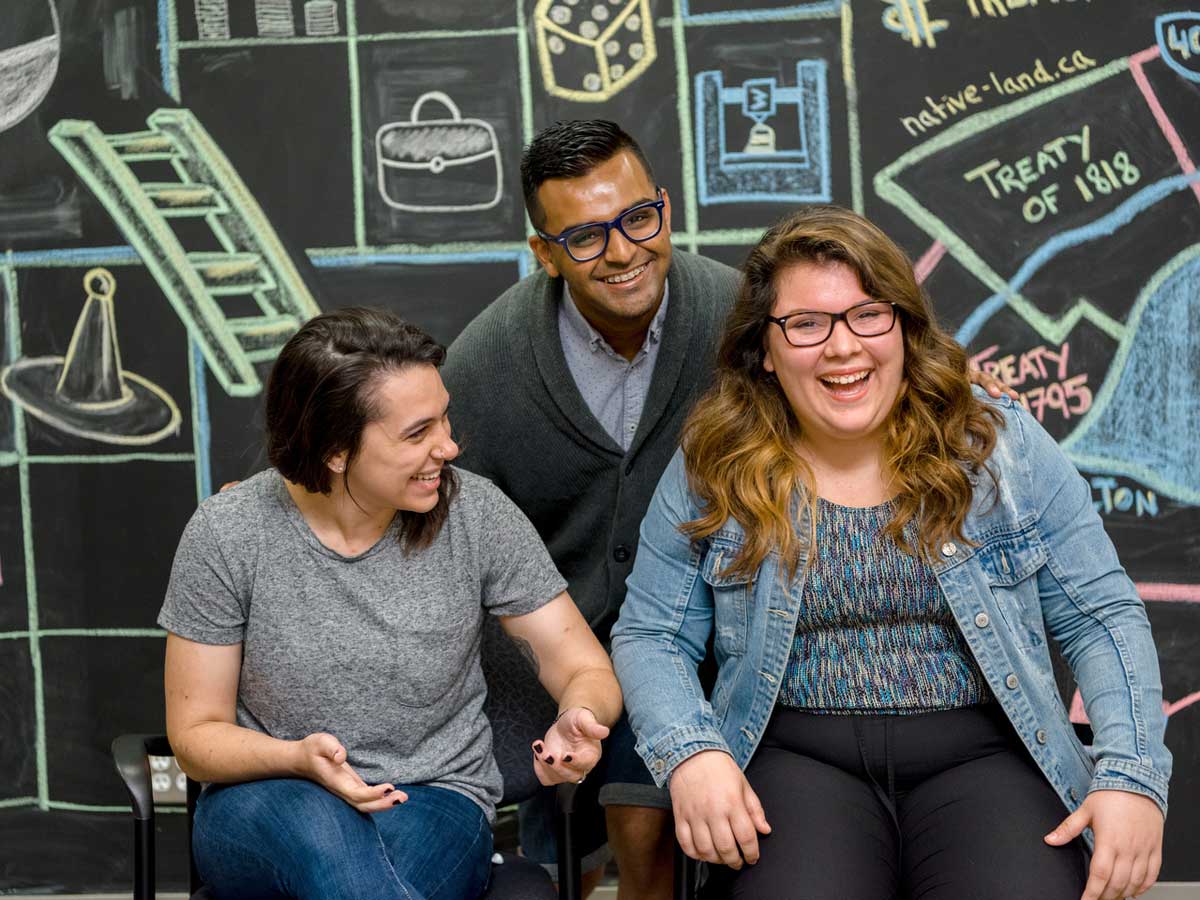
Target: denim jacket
x: 1037, y: 563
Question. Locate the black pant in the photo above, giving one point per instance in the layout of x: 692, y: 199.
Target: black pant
x: 936, y: 806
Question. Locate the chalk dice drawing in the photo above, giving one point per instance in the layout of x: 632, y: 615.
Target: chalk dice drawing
x: 590, y: 50
x: 770, y: 165
x: 438, y: 165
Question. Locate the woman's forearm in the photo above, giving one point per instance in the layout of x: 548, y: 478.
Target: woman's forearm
x: 595, y: 689
x: 223, y: 752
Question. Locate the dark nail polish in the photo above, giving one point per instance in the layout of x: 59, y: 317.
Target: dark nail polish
x: 537, y: 747
x: 567, y: 758
x: 549, y: 760
x: 397, y: 802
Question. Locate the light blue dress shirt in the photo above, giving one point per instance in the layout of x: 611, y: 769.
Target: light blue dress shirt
x: 613, y: 387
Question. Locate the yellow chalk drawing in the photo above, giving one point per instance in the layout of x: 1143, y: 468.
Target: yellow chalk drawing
x: 591, y: 51
x: 88, y: 393
x: 253, y: 261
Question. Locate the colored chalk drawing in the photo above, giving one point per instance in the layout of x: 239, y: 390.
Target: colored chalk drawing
x: 253, y: 262
x: 438, y: 165
x: 27, y: 72
x: 88, y: 393
x: 769, y: 166
x: 1145, y: 419
x: 590, y: 51
x: 1179, y: 42
x: 910, y: 20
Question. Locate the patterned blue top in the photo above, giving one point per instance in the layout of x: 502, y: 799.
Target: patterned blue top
x: 875, y: 634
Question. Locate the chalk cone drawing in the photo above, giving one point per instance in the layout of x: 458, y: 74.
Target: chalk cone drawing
x: 1145, y: 422
x: 438, y: 165
x: 253, y: 263
x: 27, y: 73
x: 768, y: 165
x: 87, y: 393
x: 590, y: 51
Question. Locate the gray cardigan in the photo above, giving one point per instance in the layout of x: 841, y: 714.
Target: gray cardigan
x: 521, y: 421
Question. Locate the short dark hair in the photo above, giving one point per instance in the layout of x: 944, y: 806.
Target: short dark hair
x: 322, y: 394
x: 570, y: 150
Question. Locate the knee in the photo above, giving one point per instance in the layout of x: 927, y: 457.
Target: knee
x: 643, y: 841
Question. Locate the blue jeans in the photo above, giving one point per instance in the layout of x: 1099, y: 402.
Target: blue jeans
x: 288, y: 837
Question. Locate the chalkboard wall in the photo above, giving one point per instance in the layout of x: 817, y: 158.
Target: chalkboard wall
x: 187, y: 180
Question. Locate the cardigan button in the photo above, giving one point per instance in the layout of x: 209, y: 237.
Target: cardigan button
x: 621, y: 553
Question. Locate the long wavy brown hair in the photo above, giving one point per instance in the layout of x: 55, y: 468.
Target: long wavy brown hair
x: 742, y: 441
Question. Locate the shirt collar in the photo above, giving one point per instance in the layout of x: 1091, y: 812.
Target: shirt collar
x: 595, y: 340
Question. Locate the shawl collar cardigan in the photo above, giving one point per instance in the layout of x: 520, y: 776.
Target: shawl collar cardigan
x: 522, y: 422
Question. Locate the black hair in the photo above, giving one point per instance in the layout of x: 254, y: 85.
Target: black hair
x: 571, y: 150
x: 322, y: 394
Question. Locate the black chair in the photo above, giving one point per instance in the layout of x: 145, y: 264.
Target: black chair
x: 515, y: 878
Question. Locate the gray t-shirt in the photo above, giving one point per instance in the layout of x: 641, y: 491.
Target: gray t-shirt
x: 380, y: 649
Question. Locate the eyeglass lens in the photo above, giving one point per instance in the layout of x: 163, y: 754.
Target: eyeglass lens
x: 638, y: 224
x: 866, y: 320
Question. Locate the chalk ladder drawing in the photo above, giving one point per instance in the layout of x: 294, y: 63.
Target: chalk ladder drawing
x: 88, y: 393
x: 768, y: 166
x: 252, y: 264
x: 27, y: 73
x: 588, y: 52
x: 438, y: 165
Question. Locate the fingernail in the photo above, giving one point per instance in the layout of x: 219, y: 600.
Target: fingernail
x: 537, y: 746
x: 567, y: 758
x: 397, y: 802
x: 549, y: 760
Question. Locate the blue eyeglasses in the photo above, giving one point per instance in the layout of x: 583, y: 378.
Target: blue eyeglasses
x: 584, y: 243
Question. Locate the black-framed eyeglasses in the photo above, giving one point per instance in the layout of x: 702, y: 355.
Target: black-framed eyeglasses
x: 584, y: 243
x: 808, y: 328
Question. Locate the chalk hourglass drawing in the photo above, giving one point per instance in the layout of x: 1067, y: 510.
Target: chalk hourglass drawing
x: 27, y: 69
x: 87, y: 392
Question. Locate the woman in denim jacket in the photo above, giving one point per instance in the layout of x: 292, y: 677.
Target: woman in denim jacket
x: 879, y: 556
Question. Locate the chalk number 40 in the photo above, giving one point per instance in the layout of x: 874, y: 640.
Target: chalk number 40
x: 1184, y: 41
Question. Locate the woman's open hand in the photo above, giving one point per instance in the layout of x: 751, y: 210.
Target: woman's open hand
x: 323, y: 760
x: 570, y: 748
x: 1129, y: 836
x: 718, y: 817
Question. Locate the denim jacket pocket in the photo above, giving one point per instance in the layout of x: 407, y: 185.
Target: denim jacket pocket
x: 731, y: 596
x: 1010, y: 565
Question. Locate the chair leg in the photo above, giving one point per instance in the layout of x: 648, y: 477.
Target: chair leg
x: 685, y: 875
x: 570, y: 873
x: 143, y: 859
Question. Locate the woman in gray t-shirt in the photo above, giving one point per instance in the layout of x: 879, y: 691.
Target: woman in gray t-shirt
x: 323, y: 665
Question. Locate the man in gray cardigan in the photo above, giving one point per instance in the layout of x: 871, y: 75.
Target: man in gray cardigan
x: 569, y: 392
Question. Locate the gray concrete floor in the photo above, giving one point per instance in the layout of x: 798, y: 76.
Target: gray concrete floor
x: 1175, y: 891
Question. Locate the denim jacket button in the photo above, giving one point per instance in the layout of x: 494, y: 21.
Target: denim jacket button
x: 658, y: 765
x: 1011, y: 682
x: 949, y: 549
x: 1041, y: 736
x: 982, y: 620
x: 1074, y: 794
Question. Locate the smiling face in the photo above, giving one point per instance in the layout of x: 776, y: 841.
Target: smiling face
x: 844, y: 389
x: 401, y: 453
x: 623, y: 286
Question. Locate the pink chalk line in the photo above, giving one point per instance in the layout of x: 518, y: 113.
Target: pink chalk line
x: 1135, y: 68
x: 1169, y: 593
x: 1079, y: 716
x: 928, y: 262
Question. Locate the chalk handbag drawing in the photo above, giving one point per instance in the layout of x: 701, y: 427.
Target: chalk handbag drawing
x: 438, y: 165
